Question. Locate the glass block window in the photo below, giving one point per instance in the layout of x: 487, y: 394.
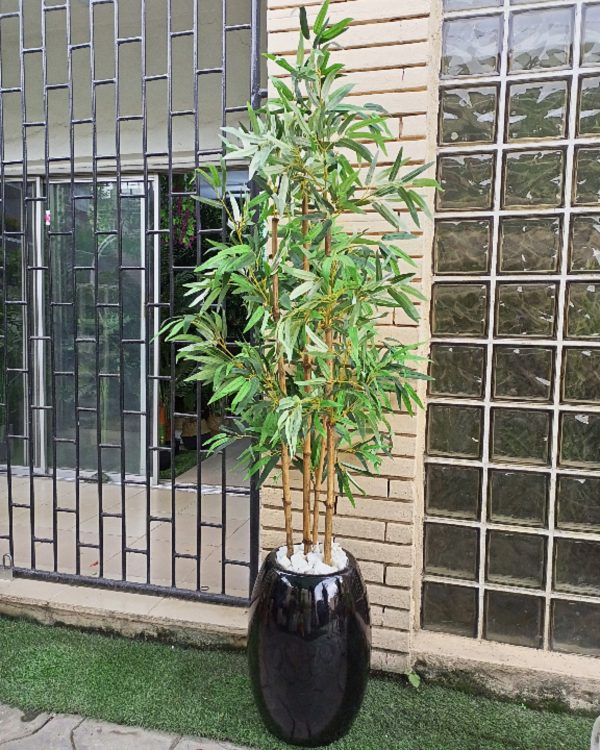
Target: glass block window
x: 512, y: 501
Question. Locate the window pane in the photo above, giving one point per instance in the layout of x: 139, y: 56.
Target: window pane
x: 453, y: 491
x: 533, y: 178
x: 523, y: 373
x: 459, y: 310
x: 513, y: 618
x: 451, y: 609
x: 471, y: 47
x: 451, y: 550
x: 525, y: 310
x: 575, y: 627
x: 457, y: 370
x: 467, y: 181
x: 589, y: 106
x: 518, y: 497
x: 540, y: 39
x: 537, y: 110
x: 578, y: 504
x: 590, y: 43
x: 583, y: 311
x: 587, y: 176
x: 580, y: 440
x: 520, y: 435
x: 581, y: 375
x: 576, y: 566
x: 462, y: 246
x: 516, y: 559
x: 454, y: 430
x: 585, y: 243
x: 468, y: 115
x: 529, y: 245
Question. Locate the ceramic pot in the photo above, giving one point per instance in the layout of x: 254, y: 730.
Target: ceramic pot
x: 309, y: 650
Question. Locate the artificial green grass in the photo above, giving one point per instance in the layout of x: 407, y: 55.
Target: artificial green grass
x: 207, y: 693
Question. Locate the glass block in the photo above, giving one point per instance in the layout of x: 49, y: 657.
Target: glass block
x: 518, y: 497
x: 575, y: 627
x: 589, y: 106
x: 576, y: 566
x: 453, y: 491
x: 583, y: 310
x: 580, y: 440
x: 520, y: 435
x: 451, y: 550
x: 462, y: 246
x: 457, y: 370
x: 454, y: 430
x: 468, y: 115
x: 533, y: 178
x: 585, y: 243
x: 529, y: 244
x: 451, y: 609
x: 470, y: 4
x: 537, y: 110
x: 514, y: 618
x: 540, y: 39
x: 581, y: 375
x: 523, y: 373
x: 516, y: 559
x: 471, y: 46
x: 590, y: 42
x: 525, y: 310
x: 587, y: 176
x: 578, y: 503
x: 467, y: 181
x: 459, y: 310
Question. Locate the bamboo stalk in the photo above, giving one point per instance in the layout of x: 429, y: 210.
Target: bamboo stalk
x: 285, y: 454
x: 317, y: 494
x: 329, y: 502
x: 307, y: 447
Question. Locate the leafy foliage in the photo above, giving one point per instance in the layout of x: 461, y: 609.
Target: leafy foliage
x: 310, y: 359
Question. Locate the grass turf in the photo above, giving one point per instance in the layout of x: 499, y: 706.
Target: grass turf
x: 207, y: 693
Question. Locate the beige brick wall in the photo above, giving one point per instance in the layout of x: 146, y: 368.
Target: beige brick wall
x: 389, y: 53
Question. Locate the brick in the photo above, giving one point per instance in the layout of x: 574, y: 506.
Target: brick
x: 361, y: 528
x: 399, y: 576
x: 399, y: 619
x: 391, y: 640
x: 360, y: 35
x: 399, y: 533
x: 379, y: 551
x: 386, y: 661
x: 404, y: 445
x: 283, y: 14
x: 403, y: 489
x: 372, y: 572
x: 386, y: 510
x: 399, y: 467
x: 403, y: 423
x: 389, y: 597
x: 412, y: 126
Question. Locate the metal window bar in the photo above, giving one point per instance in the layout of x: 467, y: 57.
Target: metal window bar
x: 555, y: 406
x: 42, y: 364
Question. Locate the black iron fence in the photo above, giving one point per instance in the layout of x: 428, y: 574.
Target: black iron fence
x: 106, y: 109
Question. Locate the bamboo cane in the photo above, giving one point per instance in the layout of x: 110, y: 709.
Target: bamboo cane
x: 329, y: 503
x: 307, y: 447
x: 285, y: 454
x: 317, y: 494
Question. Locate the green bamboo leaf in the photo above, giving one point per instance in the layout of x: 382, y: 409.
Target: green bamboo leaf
x: 304, y: 23
x: 320, y: 19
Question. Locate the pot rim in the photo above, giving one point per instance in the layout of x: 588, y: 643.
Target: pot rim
x: 351, y: 563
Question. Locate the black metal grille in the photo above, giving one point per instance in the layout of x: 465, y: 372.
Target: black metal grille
x: 106, y: 109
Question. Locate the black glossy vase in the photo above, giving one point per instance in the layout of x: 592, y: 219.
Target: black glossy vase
x: 309, y: 649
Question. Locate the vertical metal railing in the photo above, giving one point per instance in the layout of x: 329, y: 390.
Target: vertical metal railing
x: 80, y: 524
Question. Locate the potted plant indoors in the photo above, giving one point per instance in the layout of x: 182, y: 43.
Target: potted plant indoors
x: 309, y: 381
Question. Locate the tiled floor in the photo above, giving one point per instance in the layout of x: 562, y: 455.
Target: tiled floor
x: 183, y: 510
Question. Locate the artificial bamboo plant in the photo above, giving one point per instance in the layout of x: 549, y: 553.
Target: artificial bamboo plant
x: 311, y: 382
